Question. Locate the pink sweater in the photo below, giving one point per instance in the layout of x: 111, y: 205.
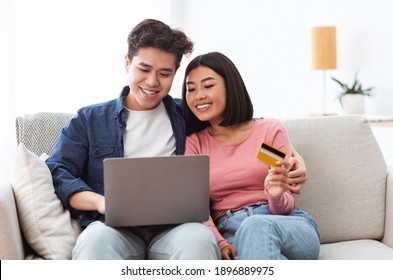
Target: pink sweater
x: 236, y: 175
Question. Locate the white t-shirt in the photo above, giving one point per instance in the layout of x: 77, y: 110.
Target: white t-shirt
x: 149, y: 133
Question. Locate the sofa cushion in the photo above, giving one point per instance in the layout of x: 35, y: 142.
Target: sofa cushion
x: 346, y: 190
x: 47, y: 227
x: 10, y: 235
x: 364, y: 249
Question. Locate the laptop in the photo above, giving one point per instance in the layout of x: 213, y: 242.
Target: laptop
x: 156, y: 190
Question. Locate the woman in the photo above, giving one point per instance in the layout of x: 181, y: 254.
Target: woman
x: 252, y: 209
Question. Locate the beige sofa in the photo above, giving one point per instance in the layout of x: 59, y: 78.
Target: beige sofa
x: 349, y: 191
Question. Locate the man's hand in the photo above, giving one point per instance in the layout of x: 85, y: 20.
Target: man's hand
x: 297, y: 172
x: 88, y: 200
x: 229, y: 252
x: 101, y: 205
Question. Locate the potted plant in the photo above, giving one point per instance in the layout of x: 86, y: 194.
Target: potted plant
x: 352, y: 97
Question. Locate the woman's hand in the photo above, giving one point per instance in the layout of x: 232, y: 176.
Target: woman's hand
x: 229, y: 252
x: 276, y: 182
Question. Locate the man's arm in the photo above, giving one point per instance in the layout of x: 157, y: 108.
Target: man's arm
x: 68, y: 162
x: 88, y: 201
x: 297, y: 174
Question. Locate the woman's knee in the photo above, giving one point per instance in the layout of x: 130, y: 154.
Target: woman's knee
x: 255, y: 223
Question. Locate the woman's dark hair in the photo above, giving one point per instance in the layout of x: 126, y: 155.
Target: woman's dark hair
x: 156, y: 34
x: 239, y: 107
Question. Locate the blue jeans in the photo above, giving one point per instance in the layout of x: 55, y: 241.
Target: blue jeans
x: 190, y: 241
x: 259, y: 235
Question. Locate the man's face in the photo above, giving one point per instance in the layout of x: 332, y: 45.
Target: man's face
x: 150, y: 77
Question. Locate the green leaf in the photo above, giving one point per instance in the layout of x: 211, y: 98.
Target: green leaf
x: 340, y: 83
x: 356, y: 88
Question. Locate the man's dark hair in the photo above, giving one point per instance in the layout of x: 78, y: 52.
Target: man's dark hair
x: 239, y: 107
x: 156, y: 34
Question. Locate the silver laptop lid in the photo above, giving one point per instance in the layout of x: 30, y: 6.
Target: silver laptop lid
x: 156, y: 190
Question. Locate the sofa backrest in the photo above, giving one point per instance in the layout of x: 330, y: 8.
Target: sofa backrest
x: 40, y: 131
x: 346, y: 189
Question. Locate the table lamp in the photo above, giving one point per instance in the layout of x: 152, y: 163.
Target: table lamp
x: 324, y: 53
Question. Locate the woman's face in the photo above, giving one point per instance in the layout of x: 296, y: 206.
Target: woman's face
x: 206, y: 94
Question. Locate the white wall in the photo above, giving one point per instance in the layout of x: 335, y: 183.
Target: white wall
x: 59, y: 55
x: 270, y: 41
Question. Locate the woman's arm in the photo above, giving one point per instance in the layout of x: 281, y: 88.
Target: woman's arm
x: 281, y: 201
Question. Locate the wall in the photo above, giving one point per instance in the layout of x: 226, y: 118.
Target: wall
x: 64, y: 54
x: 60, y: 55
x: 270, y: 41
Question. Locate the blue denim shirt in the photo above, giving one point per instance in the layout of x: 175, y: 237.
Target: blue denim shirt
x: 93, y: 134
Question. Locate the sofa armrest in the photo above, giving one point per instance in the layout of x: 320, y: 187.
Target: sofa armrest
x: 11, y: 244
x: 388, y: 235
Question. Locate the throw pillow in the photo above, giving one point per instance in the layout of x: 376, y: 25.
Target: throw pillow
x: 46, y: 225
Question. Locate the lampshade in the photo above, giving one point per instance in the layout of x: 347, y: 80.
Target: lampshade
x: 324, y: 47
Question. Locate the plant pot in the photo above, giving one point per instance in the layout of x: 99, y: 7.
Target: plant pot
x: 353, y: 103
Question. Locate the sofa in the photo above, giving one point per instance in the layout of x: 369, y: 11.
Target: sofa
x: 349, y: 191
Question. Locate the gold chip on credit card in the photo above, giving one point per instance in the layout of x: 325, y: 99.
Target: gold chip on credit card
x: 270, y: 154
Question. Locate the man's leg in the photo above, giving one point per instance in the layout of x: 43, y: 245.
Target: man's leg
x: 190, y: 241
x: 100, y: 242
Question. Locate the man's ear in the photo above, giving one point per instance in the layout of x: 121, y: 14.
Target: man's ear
x: 127, y: 62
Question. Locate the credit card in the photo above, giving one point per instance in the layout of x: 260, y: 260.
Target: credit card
x: 270, y: 154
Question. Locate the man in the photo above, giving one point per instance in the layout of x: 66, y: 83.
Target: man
x: 143, y: 121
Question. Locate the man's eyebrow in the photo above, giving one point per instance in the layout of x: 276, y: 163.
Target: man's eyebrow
x: 144, y: 64
x: 166, y: 69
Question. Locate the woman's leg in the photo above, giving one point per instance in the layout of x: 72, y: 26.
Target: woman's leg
x: 278, y: 237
